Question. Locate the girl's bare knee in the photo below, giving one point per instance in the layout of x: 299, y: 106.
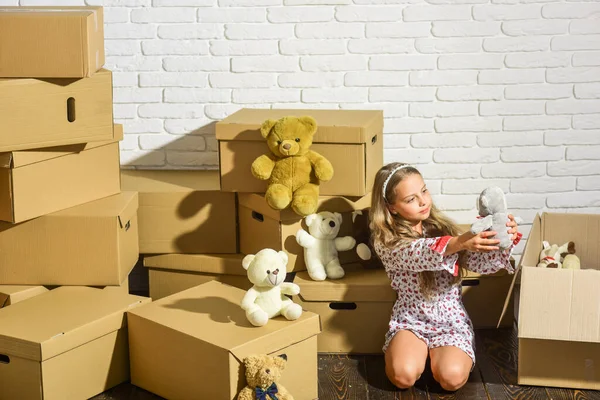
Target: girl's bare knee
x: 403, y: 375
x: 452, y: 378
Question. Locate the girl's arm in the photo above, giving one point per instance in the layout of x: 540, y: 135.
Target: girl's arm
x: 490, y: 262
x: 427, y: 254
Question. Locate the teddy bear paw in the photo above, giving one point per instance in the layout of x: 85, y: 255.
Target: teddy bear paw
x: 318, y: 275
x: 334, y: 271
x: 258, y: 317
x: 304, y: 205
x: 278, y: 196
x: 363, y: 252
x: 292, y: 312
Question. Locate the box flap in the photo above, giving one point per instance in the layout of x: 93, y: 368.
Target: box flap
x: 211, y: 312
x: 82, y: 11
x: 530, y: 256
x: 159, y: 181
x: 13, y: 294
x: 227, y: 264
x: 256, y: 202
x: 333, y: 126
x: 16, y: 159
x: 358, y: 284
x: 62, y: 319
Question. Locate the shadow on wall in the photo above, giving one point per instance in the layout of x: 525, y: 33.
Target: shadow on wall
x: 193, y: 147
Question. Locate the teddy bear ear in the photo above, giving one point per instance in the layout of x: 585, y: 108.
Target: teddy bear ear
x: 310, y: 123
x: 280, y: 361
x: 246, y: 261
x: 283, y: 256
x: 266, y: 127
x: 309, y: 219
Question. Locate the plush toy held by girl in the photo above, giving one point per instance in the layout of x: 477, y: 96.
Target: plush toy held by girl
x: 423, y: 255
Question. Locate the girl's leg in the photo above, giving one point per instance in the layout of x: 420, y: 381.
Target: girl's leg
x: 450, y: 366
x: 405, y: 359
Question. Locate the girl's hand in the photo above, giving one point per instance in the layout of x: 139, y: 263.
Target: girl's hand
x: 480, y: 242
x: 514, y: 227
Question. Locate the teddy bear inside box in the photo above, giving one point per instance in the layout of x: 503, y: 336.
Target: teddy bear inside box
x: 352, y: 140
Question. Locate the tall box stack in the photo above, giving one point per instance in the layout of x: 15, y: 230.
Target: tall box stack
x: 68, y: 234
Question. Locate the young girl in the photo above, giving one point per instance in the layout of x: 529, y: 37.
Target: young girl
x: 423, y: 256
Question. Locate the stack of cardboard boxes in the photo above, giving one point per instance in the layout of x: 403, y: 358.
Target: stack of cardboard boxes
x: 68, y: 236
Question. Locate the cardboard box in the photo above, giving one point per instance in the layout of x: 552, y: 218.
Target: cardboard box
x: 68, y: 343
x: 559, y: 309
x: 182, y: 342
x: 14, y: 294
x: 42, y: 181
x: 94, y: 244
x: 352, y: 140
x: 174, y: 273
x: 39, y: 113
x: 355, y: 310
x: 193, y: 215
x: 484, y: 296
x: 51, y: 42
x: 262, y: 227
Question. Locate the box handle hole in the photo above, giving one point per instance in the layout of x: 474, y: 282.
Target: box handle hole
x: 342, y: 306
x: 374, y: 139
x: 258, y: 216
x: 127, y: 226
x: 470, y: 282
x: 4, y: 359
x: 71, y: 109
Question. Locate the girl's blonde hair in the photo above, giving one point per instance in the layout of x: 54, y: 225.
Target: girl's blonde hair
x: 391, y: 230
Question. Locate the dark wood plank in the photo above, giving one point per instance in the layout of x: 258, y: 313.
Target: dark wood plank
x: 379, y: 386
x: 341, y: 377
x: 497, y: 359
x: 570, y: 394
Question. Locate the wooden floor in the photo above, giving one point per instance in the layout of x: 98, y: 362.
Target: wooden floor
x: 363, y: 378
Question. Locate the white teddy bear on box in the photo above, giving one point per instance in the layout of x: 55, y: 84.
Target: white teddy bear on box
x: 266, y: 299
x: 321, y: 245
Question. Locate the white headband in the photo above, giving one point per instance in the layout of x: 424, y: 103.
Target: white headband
x: 392, y: 174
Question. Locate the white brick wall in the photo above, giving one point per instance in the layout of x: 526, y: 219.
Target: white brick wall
x: 476, y: 92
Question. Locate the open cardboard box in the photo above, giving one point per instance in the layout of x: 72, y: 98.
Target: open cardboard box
x: 559, y: 309
x: 352, y: 140
x: 194, y: 216
x: 263, y: 227
x: 51, y: 41
x: 173, y: 273
x: 192, y: 345
x: 67, y: 343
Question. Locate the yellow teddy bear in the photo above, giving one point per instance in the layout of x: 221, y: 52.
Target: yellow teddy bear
x: 292, y: 169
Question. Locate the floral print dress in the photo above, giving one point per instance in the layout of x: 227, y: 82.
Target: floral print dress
x: 441, y: 320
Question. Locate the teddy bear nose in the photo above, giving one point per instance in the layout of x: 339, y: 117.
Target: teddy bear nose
x: 287, y: 146
x: 268, y: 371
x: 331, y: 224
x: 276, y: 271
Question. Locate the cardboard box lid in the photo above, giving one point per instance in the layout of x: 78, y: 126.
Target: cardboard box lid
x: 123, y: 206
x: 21, y: 158
x: 227, y: 264
x: 561, y: 304
x: 57, y: 321
x: 333, y: 126
x: 16, y: 293
x: 256, y: 202
x: 15, y: 11
x: 358, y: 284
x: 211, y: 313
x: 153, y: 181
